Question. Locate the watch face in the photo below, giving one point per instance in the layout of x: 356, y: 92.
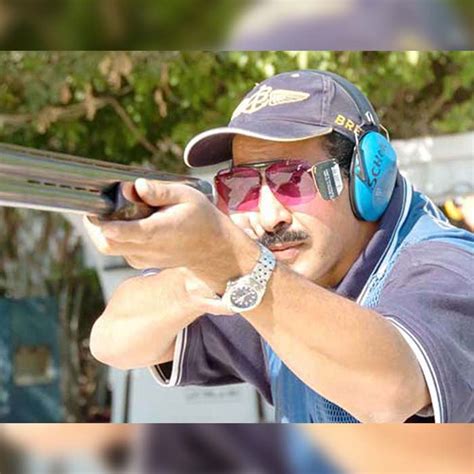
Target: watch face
x: 244, y: 297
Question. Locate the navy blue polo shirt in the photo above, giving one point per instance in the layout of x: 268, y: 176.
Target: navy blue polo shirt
x: 428, y: 297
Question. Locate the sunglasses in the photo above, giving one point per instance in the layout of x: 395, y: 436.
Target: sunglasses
x: 292, y: 182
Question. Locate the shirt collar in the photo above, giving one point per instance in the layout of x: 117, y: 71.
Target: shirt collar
x: 357, y: 276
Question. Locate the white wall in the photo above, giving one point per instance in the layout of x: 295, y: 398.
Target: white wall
x: 441, y: 167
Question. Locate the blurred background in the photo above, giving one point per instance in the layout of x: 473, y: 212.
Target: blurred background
x: 236, y: 449
x: 141, y: 108
x: 244, y: 24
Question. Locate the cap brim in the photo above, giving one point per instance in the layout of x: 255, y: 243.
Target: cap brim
x: 215, y: 145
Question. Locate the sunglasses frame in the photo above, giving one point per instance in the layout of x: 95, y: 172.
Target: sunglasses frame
x: 314, y: 171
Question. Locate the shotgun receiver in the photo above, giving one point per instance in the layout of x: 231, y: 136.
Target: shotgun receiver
x: 53, y: 181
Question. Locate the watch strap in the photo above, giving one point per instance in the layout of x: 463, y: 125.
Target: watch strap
x: 264, y: 267
x: 255, y: 281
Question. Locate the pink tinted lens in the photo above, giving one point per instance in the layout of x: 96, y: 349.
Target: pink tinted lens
x: 239, y: 188
x: 291, y: 182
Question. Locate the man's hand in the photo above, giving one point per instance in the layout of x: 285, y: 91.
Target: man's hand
x: 186, y: 231
x: 139, y: 326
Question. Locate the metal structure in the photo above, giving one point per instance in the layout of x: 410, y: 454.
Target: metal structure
x: 64, y: 183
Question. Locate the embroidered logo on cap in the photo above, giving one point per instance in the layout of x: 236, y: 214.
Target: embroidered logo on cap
x: 348, y: 124
x: 267, y: 96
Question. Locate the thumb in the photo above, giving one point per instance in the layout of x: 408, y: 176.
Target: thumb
x: 158, y: 194
x: 216, y: 306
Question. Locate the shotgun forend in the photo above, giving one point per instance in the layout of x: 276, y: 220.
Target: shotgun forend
x: 58, y: 182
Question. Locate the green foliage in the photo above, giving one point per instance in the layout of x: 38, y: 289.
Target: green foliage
x: 114, y: 24
x: 142, y: 107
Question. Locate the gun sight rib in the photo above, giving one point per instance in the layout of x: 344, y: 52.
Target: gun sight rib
x: 58, y: 182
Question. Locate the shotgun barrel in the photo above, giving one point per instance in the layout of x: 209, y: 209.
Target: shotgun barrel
x: 52, y: 181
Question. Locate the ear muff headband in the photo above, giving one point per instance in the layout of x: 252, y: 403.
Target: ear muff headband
x: 373, y: 169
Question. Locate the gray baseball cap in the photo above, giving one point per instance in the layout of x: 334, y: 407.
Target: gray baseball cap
x: 287, y: 107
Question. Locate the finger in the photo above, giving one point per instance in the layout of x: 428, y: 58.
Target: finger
x: 94, y: 231
x: 157, y: 194
x: 144, y: 262
x: 129, y: 192
x: 136, y: 262
x: 216, y: 307
x: 246, y: 223
x: 106, y: 245
x: 256, y: 225
x: 133, y: 232
x: 101, y: 232
x: 91, y: 220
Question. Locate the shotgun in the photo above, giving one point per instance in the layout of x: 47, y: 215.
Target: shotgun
x: 52, y: 181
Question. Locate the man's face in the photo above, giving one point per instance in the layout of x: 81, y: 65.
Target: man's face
x: 318, y: 239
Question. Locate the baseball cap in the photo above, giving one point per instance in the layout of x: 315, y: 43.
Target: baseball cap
x: 287, y: 107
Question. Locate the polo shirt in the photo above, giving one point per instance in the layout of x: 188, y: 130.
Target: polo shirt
x: 428, y: 296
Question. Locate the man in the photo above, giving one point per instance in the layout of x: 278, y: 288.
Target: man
x: 362, y: 311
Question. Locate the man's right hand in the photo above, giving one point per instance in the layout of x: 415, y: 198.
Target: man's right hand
x: 141, y: 321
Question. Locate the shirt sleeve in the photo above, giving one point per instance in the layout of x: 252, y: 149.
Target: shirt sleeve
x: 217, y: 350
x: 429, y: 298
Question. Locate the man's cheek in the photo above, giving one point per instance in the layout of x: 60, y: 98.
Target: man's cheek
x: 317, y: 208
x: 308, y: 264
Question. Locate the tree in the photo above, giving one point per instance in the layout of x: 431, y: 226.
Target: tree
x: 142, y: 107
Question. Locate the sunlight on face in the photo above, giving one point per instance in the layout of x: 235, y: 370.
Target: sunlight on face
x: 331, y: 230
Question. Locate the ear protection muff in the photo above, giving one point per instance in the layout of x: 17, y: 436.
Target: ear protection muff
x: 373, y: 169
x: 372, y: 176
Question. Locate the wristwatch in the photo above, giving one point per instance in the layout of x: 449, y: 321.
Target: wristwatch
x: 246, y: 293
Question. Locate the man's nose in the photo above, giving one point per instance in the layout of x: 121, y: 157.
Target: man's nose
x: 271, y: 212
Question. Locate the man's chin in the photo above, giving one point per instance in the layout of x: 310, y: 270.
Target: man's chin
x: 298, y: 259
x: 300, y: 267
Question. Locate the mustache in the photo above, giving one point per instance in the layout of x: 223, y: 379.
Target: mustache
x: 282, y: 236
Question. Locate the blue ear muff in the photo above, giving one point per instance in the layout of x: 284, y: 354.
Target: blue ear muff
x: 372, y: 177
x: 374, y: 162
